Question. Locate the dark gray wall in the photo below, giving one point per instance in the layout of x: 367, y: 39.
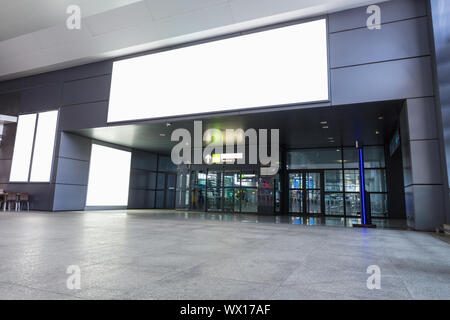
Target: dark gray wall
x: 387, y: 64
x: 143, y: 176
x: 81, y: 94
x: 392, y: 63
x: 72, y: 172
x: 440, y: 12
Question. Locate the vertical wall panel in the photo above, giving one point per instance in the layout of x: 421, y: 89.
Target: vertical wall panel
x: 395, y: 10
x: 392, y: 80
x: 399, y: 40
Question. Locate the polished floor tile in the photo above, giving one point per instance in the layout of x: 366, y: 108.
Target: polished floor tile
x: 159, y: 254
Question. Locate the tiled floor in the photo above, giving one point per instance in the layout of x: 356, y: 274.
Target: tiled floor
x: 167, y: 255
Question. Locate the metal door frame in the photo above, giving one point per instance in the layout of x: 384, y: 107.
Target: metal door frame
x: 304, y: 190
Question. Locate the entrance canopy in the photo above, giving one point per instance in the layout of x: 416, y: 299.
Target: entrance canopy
x: 326, y: 126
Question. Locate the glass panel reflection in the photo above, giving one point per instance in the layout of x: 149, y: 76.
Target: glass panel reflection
x: 314, y: 159
x: 215, y: 199
x: 295, y: 181
x: 375, y: 180
x: 351, y: 158
x: 353, y: 204
x: 295, y: 201
x: 249, y: 200
x: 313, y: 202
x: 198, y: 198
x: 334, y: 180
x: 374, y: 157
x: 237, y: 200
x: 249, y: 180
x: 232, y: 179
x: 334, y: 204
x: 312, y: 180
x: 351, y: 180
x: 228, y: 199
x: 214, y: 179
x: 378, y: 204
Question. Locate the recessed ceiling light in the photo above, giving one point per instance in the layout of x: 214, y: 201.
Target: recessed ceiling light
x: 377, y: 132
x: 324, y: 122
x: 380, y: 118
x: 325, y: 127
x: 330, y: 138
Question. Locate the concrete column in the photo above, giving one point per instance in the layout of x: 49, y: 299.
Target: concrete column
x: 422, y: 170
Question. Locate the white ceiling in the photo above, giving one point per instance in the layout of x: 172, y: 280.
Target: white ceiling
x: 34, y: 37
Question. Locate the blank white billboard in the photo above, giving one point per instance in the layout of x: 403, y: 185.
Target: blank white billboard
x: 109, y: 177
x: 23, y: 147
x: 41, y: 167
x: 276, y: 67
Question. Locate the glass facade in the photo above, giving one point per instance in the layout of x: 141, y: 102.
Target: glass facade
x: 231, y: 191
x: 318, y: 182
x: 327, y: 181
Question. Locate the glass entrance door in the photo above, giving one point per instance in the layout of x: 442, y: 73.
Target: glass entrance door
x: 306, y: 192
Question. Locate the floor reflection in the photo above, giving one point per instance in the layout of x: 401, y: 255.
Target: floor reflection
x: 276, y: 219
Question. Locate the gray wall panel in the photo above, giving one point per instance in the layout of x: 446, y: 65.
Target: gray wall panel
x: 390, y: 11
x: 152, y: 180
x: 88, y: 70
x: 72, y: 171
x: 40, y: 98
x: 161, y: 181
x: 159, y: 204
x: 382, y: 81
x: 7, y: 144
x: 440, y: 12
x: 81, y: 116
x: 138, y: 179
x: 141, y: 199
x: 144, y: 160
x: 69, y: 197
x: 425, y: 161
x: 11, y: 85
x: 86, y: 90
x: 44, y: 78
x: 10, y: 103
x: 5, y: 169
x: 151, y: 199
x: 75, y: 147
x: 422, y: 119
x: 428, y: 207
x: 165, y: 164
x: 397, y: 40
x: 137, y: 199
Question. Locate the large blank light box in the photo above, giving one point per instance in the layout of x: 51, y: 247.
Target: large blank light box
x: 23, y: 147
x: 109, y: 177
x: 287, y: 65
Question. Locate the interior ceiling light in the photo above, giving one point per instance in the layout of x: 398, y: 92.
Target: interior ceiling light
x: 325, y: 127
x: 380, y: 118
x: 377, y: 132
x: 162, y: 134
x: 324, y: 122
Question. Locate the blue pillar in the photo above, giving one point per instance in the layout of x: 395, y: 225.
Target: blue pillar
x: 366, y: 219
x: 362, y: 188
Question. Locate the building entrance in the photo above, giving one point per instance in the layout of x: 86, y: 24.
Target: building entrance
x: 306, y: 194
